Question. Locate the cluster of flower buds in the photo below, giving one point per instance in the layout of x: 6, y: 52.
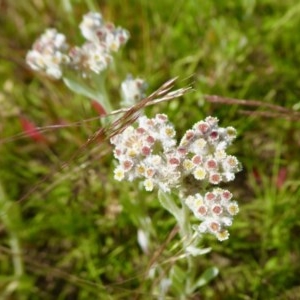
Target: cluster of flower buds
x: 50, y: 53
x: 215, y: 209
x: 204, y: 146
x: 95, y: 30
x: 149, y: 152
x: 143, y: 152
x: 132, y: 90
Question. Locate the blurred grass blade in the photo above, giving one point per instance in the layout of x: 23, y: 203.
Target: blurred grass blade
x: 206, y: 277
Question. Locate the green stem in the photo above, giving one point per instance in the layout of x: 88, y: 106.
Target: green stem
x: 92, y: 87
x: 186, y: 236
x: 185, y: 228
x: 182, y: 215
x: 9, y: 221
x: 101, y: 92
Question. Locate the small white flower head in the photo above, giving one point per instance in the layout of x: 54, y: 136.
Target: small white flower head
x: 145, y: 151
x: 148, y: 183
x: 132, y: 90
x: 206, y: 143
x: 101, y: 40
x: 90, y: 57
x: 91, y: 22
x: 48, y: 54
x: 215, y: 210
x: 95, y: 58
x: 95, y: 30
x: 119, y: 173
x: 199, y: 173
x: 115, y: 37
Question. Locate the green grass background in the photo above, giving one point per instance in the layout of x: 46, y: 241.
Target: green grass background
x: 75, y: 226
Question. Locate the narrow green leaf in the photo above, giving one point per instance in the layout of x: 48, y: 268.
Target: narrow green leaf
x: 195, y: 251
x: 169, y: 204
x: 178, y: 278
x: 206, y: 277
x: 78, y: 88
x: 96, y: 91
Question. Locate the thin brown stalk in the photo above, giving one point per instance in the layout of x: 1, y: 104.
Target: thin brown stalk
x: 131, y: 114
x: 270, y: 114
x: 274, y: 111
x: 169, y: 96
x: 255, y: 103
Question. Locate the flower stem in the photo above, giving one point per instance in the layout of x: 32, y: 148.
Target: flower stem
x: 101, y: 92
x: 186, y: 234
x: 10, y: 221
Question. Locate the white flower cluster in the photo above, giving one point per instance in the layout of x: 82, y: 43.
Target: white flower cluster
x: 101, y: 40
x: 215, y: 209
x: 50, y: 52
x: 205, y: 146
x: 95, y: 30
x: 143, y: 152
x: 133, y: 90
x: 149, y: 151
